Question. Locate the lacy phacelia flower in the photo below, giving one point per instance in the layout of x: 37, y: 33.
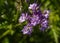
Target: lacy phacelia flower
x: 35, y: 18
x: 27, y: 29
x: 46, y: 13
x: 22, y: 17
x: 33, y: 6
x: 44, y: 24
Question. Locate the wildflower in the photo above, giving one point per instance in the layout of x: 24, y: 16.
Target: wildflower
x: 35, y: 20
x: 27, y: 29
x: 44, y: 25
x: 46, y: 13
x: 33, y: 6
x: 22, y: 17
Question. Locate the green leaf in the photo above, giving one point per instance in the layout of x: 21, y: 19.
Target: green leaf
x: 2, y: 2
x: 5, y: 40
x: 4, y: 34
x: 55, y: 34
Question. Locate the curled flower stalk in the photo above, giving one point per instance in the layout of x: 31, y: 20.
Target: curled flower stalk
x: 35, y: 18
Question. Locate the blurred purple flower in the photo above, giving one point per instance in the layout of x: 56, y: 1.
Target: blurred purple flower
x: 32, y: 6
x: 44, y: 24
x: 27, y: 29
x: 46, y: 13
x: 23, y: 17
x: 36, y: 18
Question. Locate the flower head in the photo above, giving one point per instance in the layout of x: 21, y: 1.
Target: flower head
x: 36, y: 18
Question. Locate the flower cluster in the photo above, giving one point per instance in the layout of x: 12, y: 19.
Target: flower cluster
x: 36, y: 18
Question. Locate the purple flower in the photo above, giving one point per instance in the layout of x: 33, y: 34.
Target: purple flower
x: 44, y: 20
x: 23, y: 17
x: 27, y: 29
x: 46, y: 13
x: 34, y: 20
x: 44, y: 24
x: 33, y: 6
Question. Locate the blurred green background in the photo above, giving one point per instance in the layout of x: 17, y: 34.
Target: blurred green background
x: 10, y: 28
